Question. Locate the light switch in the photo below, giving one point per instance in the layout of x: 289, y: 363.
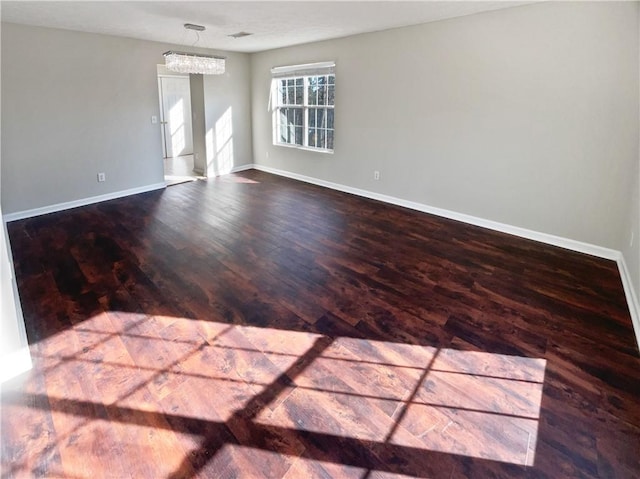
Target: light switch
x: 154, y: 119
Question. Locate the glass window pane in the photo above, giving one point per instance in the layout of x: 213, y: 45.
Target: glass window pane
x: 321, y: 118
x: 313, y: 95
x: 299, y: 81
x: 331, y: 95
x: 291, y: 95
x: 298, y: 137
x: 322, y: 95
x: 321, y: 138
x: 298, y: 117
x: 312, y: 137
x: 330, y: 139
x: 299, y: 95
x: 312, y: 117
x: 284, y: 130
x: 332, y: 80
x: 322, y: 80
x: 330, y: 118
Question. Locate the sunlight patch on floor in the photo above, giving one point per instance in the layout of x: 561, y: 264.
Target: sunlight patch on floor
x: 148, y: 371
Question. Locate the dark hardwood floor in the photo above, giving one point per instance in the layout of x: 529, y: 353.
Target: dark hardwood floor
x: 254, y: 326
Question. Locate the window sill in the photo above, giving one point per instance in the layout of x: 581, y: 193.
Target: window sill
x: 306, y: 148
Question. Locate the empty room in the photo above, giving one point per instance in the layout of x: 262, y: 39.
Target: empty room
x: 320, y: 239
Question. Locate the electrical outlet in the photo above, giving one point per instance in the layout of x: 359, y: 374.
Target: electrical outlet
x: 154, y: 119
x: 376, y: 175
x: 102, y: 177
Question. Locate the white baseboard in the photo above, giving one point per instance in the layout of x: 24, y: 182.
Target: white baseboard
x: 632, y: 298
x: 19, y: 215
x: 566, y: 243
x: 573, y: 245
x: 14, y: 364
x: 236, y: 169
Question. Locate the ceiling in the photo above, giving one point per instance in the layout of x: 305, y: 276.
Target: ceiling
x: 273, y: 24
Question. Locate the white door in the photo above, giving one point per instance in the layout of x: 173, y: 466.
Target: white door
x: 175, y: 112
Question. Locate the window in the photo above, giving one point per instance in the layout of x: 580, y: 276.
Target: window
x: 304, y: 106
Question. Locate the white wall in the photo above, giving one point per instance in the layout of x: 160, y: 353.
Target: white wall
x: 75, y: 104
x: 525, y: 116
x: 14, y: 350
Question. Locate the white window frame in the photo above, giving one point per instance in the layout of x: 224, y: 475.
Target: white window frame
x: 304, y: 72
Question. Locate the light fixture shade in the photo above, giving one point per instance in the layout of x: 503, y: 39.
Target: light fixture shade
x: 182, y: 62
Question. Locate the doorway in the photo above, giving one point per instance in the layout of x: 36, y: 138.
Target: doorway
x: 176, y: 128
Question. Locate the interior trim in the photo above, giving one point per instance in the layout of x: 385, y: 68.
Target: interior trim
x: 19, y: 215
x: 566, y: 243
x: 14, y: 364
x: 632, y: 298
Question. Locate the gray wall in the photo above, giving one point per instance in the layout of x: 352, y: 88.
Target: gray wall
x: 75, y: 104
x: 14, y: 356
x: 228, y: 118
x: 196, y: 84
x: 630, y: 243
x: 526, y: 116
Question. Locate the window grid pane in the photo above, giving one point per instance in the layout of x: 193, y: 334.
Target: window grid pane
x: 290, y: 125
x: 306, y: 105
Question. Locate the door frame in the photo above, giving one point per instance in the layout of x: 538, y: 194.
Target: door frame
x: 163, y: 122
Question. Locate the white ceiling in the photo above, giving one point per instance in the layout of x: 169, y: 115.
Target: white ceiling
x: 273, y: 24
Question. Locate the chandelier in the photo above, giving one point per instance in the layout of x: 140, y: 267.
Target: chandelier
x: 183, y: 62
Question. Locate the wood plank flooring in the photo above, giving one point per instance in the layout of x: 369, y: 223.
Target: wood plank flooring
x: 253, y: 326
